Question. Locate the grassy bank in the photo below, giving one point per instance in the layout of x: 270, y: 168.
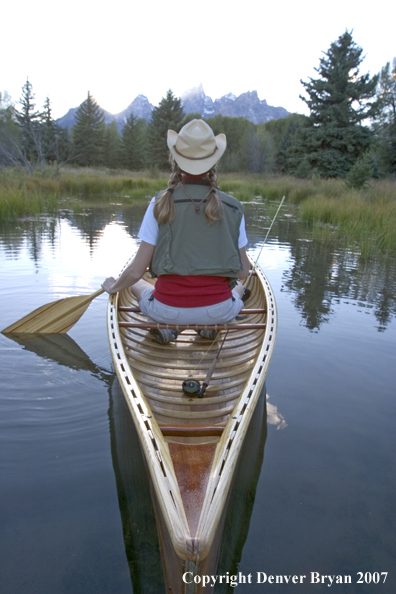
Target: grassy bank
x: 24, y: 195
x: 365, y: 218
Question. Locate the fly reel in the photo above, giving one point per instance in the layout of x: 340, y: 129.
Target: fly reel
x: 191, y: 387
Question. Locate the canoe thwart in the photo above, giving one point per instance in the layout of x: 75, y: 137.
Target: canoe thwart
x: 191, y: 431
x: 180, y: 327
x: 243, y: 311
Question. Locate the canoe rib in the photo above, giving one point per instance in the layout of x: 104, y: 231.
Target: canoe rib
x: 165, y: 419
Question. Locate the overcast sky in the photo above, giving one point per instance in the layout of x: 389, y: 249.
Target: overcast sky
x: 119, y: 49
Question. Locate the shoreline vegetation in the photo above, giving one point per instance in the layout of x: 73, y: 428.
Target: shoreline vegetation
x: 365, y: 218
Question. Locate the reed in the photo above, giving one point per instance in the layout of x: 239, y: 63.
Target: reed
x: 365, y: 220
x: 101, y: 183
x: 26, y: 196
x: 245, y: 187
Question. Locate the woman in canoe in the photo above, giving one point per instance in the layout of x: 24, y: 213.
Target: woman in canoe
x: 194, y: 240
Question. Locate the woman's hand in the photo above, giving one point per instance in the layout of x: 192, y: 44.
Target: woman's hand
x: 108, y: 284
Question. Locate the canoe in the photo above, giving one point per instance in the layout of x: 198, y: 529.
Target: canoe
x: 136, y: 509
x: 191, y: 445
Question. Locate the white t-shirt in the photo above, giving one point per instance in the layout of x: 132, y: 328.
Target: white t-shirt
x: 149, y: 228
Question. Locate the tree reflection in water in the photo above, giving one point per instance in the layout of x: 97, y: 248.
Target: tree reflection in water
x: 320, y: 275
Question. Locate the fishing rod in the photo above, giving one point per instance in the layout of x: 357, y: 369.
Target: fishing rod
x: 192, y: 387
x: 246, y: 284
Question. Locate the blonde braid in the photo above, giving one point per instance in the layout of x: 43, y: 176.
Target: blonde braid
x: 164, y: 207
x: 214, y: 207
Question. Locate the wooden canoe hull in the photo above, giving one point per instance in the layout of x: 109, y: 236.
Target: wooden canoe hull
x: 142, y: 538
x: 191, y: 472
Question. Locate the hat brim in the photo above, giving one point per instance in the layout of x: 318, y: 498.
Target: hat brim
x: 196, y: 166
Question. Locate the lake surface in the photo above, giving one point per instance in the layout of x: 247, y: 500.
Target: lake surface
x: 316, y: 490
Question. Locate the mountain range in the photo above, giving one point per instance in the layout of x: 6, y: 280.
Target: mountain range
x: 247, y: 105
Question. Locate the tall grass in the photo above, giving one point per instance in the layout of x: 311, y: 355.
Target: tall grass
x: 245, y: 187
x: 26, y: 196
x: 368, y: 221
x: 88, y: 182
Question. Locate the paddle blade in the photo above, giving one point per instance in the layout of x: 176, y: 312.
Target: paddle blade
x: 56, y: 317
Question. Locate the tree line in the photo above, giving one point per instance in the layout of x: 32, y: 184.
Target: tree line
x: 349, y: 133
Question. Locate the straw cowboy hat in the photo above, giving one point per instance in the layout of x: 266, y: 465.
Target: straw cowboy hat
x: 196, y: 149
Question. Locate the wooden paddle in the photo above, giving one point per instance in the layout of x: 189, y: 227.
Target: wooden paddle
x: 56, y: 317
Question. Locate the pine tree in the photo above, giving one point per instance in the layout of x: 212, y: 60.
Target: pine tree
x: 236, y: 131
x: 48, y: 133
x: 28, y: 119
x: 134, y: 142
x: 88, y: 133
x: 360, y: 174
x: 167, y: 116
x: 112, y: 146
x: 385, y: 124
x: 10, y: 132
x: 339, y: 101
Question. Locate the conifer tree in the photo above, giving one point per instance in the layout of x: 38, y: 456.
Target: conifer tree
x: 167, y: 116
x: 360, y: 174
x: 134, y: 142
x: 48, y: 132
x: 236, y: 131
x: 88, y: 133
x: 385, y: 124
x: 28, y: 119
x: 10, y: 132
x: 339, y: 101
x: 112, y: 146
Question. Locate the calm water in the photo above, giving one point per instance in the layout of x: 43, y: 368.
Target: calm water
x: 316, y: 489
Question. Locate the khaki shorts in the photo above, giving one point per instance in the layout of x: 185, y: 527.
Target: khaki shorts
x: 219, y: 313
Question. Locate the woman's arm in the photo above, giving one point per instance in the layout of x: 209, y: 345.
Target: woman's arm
x: 245, y: 263
x: 134, y: 272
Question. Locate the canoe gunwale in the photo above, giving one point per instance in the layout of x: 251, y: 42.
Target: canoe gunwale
x: 155, y: 448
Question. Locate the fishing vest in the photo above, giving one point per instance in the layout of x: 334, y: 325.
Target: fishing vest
x: 190, y: 246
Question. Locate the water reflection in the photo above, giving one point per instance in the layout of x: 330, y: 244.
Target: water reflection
x: 319, y: 275
x: 137, y: 514
x: 274, y: 417
x: 32, y: 234
x: 329, y: 473
x: 61, y: 349
x: 323, y: 273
